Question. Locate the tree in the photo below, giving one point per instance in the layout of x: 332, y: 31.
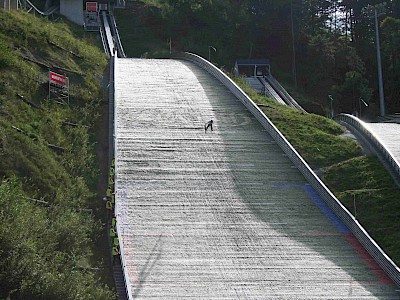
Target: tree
x: 390, y: 34
x: 354, y: 88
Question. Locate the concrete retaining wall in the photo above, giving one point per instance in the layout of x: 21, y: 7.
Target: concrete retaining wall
x: 73, y: 10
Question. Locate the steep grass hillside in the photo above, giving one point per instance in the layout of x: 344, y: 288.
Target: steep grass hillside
x: 48, y: 199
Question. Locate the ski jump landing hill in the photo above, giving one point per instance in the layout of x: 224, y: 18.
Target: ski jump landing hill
x: 383, y: 139
x: 230, y: 214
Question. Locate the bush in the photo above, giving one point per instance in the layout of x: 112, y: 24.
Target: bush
x: 43, y: 250
x: 47, y: 252
x: 7, y: 57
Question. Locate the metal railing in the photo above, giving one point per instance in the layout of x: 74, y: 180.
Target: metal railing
x: 359, y: 232
x: 108, y: 35
x: 115, y: 32
x: 289, y: 100
x: 383, y: 154
x: 269, y: 89
x: 104, y: 42
x: 49, y: 12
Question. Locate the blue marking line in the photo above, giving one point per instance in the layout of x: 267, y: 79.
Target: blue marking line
x: 320, y: 203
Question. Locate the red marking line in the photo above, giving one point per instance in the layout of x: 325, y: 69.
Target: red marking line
x: 372, y: 264
x: 361, y: 252
x: 132, y: 269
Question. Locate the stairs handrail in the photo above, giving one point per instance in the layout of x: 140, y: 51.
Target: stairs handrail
x: 283, y: 93
x: 114, y: 29
x: 47, y: 13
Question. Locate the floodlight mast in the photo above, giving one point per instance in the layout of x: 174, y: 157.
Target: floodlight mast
x: 332, y: 112
x: 209, y: 52
x: 375, y: 11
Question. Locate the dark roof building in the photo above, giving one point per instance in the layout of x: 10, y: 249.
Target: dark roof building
x: 252, y: 67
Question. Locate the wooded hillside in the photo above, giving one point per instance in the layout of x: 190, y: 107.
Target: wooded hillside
x: 317, y: 48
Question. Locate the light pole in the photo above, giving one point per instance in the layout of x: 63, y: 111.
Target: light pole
x: 355, y: 207
x: 375, y: 11
x: 330, y: 98
x: 362, y: 102
x: 293, y: 47
x: 209, y: 52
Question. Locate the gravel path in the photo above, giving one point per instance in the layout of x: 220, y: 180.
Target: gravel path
x: 222, y: 214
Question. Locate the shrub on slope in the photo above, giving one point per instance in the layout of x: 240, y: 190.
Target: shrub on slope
x: 46, y: 246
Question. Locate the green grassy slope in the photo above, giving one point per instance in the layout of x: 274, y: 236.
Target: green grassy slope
x: 46, y: 251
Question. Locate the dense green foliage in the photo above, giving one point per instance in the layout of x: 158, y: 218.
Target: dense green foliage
x: 46, y: 246
x: 391, y: 52
x: 316, y: 47
x: 44, y: 250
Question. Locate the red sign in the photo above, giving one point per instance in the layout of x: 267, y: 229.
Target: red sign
x: 91, y: 6
x: 57, y: 79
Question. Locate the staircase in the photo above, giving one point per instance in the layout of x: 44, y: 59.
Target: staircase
x: 119, y: 281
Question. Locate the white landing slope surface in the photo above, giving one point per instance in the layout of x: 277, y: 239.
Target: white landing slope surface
x: 389, y: 135
x: 222, y: 214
